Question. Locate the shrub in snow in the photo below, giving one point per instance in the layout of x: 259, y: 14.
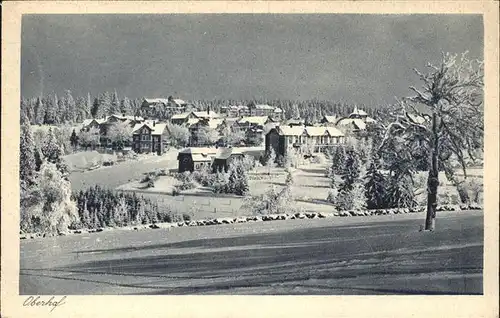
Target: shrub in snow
x: 319, y: 158
x: 238, y: 179
x: 220, y: 183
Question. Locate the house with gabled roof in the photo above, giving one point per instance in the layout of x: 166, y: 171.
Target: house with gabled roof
x: 284, y: 138
x: 195, y: 158
x: 329, y: 120
x: 217, y: 159
x: 357, y: 123
x: 169, y: 106
x: 149, y: 137
x: 265, y: 110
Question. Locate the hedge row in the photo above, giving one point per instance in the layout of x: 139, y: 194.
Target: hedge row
x: 274, y: 217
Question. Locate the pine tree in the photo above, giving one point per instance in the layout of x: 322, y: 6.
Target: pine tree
x: 400, y: 191
x: 88, y: 107
x: 104, y: 105
x: 375, y: 186
x: 125, y: 107
x: 27, y: 164
x: 70, y: 106
x: 295, y: 112
x: 38, y: 158
x: 39, y: 111
x: 62, y: 110
x: 120, y: 212
x: 338, y: 159
x: 96, y: 109
x: 350, y: 171
x: 85, y: 220
x: 114, y: 107
x: 141, y: 216
x: 51, y: 111
x: 240, y: 186
x: 74, y: 139
x: 52, y: 152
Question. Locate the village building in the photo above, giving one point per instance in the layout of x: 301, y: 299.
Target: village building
x: 230, y: 124
x: 149, y: 137
x: 195, y: 158
x: 200, y: 123
x: 217, y: 159
x: 168, y: 103
x: 235, y: 111
x: 223, y: 158
x: 275, y: 113
x: 170, y: 106
x: 183, y: 118
x: 315, y: 139
x: 255, y: 127
x: 356, y: 122
x: 91, y: 123
x: 330, y: 121
x: 104, y: 125
x: 295, y: 122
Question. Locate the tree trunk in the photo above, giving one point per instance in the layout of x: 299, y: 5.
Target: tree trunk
x: 433, y: 179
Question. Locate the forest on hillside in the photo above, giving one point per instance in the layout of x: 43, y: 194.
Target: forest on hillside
x: 52, y: 109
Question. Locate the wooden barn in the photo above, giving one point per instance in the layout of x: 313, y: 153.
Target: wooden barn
x: 224, y: 157
x: 194, y: 158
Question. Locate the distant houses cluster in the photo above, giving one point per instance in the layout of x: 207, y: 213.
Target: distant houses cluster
x: 262, y: 126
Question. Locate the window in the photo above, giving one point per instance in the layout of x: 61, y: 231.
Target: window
x: 146, y: 137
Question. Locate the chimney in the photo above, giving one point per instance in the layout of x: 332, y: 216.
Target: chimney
x: 154, y: 123
x: 208, y: 110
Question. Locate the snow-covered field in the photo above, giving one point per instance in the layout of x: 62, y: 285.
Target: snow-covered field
x: 376, y: 255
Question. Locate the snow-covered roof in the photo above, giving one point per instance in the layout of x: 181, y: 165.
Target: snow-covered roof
x: 258, y: 120
x: 359, y: 112
x: 156, y: 100
x: 164, y: 101
x: 192, y: 121
x: 309, y: 130
x: 199, y: 150
x: 226, y: 152
x: 291, y: 131
x: 236, y: 107
x: 214, y: 123
x: 181, y: 116
x: 87, y: 122
x: 230, y: 120
x: 264, y: 106
x: 416, y: 118
x: 156, y: 128
x: 179, y: 101
x: 295, y: 121
x: 125, y: 117
x: 205, y: 114
x: 334, y: 132
x: 202, y: 157
x: 356, y: 122
x: 278, y: 110
x: 330, y: 119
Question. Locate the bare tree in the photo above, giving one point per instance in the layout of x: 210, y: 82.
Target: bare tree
x: 445, y: 116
